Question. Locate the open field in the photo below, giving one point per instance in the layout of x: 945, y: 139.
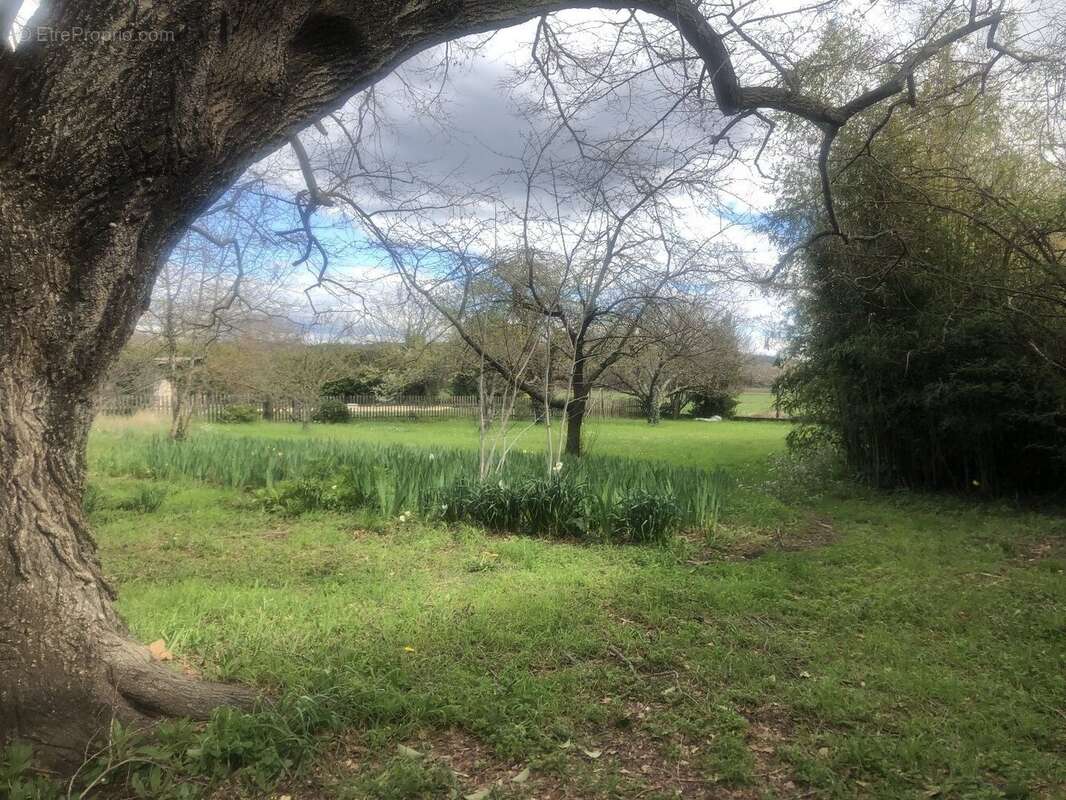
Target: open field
x: 683, y: 442
x: 755, y: 403
x: 825, y: 641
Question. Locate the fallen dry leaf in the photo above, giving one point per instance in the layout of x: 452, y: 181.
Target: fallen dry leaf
x: 159, y: 651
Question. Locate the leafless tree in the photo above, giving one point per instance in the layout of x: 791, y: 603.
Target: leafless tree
x: 682, y: 349
x: 589, y: 243
x: 221, y: 278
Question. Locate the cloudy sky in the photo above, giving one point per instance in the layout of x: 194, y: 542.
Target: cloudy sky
x: 475, y: 130
x: 470, y: 127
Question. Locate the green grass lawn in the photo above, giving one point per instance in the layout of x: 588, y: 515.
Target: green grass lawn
x: 755, y: 402
x: 824, y: 642
x: 681, y: 442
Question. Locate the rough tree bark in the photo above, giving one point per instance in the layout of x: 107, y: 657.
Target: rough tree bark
x: 66, y: 664
x: 109, y: 148
x: 575, y: 418
x: 577, y: 408
x: 654, y: 413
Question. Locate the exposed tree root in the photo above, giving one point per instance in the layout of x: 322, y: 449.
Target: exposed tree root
x: 156, y: 690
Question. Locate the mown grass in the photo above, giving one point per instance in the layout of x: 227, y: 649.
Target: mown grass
x: 682, y: 443
x: 752, y: 402
x: 885, y: 646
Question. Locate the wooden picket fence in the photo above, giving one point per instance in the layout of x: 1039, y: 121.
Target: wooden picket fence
x: 212, y: 407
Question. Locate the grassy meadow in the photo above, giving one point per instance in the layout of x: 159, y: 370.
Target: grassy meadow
x: 684, y: 443
x: 820, y: 640
x: 755, y: 403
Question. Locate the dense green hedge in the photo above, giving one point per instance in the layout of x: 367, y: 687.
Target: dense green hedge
x: 930, y: 347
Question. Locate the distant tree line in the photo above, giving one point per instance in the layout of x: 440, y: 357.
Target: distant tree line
x: 275, y: 362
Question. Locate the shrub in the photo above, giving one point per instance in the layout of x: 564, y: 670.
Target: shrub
x: 405, y: 777
x: 332, y: 411
x: 932, y: 358
x: 295, y: 497
x: 344, y: 492
x: 464, y: 383
x: 146, y: 500
x: 545, y: 507
x: 17, y: 778
x: 364, y: 381
x: 554, y: 507
x: 644, y: 517
x: 491, y: 505
x: 565, y: 508
x: 239, y: 413
x: 715, y: 404
x: 92, y: 500
x: 348, y: 492
x: 175, y: 759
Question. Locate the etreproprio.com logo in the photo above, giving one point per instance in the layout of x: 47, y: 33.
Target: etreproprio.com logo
x: 42, y: 33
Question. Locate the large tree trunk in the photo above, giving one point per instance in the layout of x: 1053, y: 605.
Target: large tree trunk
x: 181, y: 407
x: 109, y: 148
x: 575, y: 418
x: 67, y: 666
x: 675, y: 405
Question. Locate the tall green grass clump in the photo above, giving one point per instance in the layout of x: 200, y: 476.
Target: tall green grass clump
x: 147, y: 499
x: 611, y: 498
x: 565, y: 507
x: 92, y: 499
x: 546, y: 507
